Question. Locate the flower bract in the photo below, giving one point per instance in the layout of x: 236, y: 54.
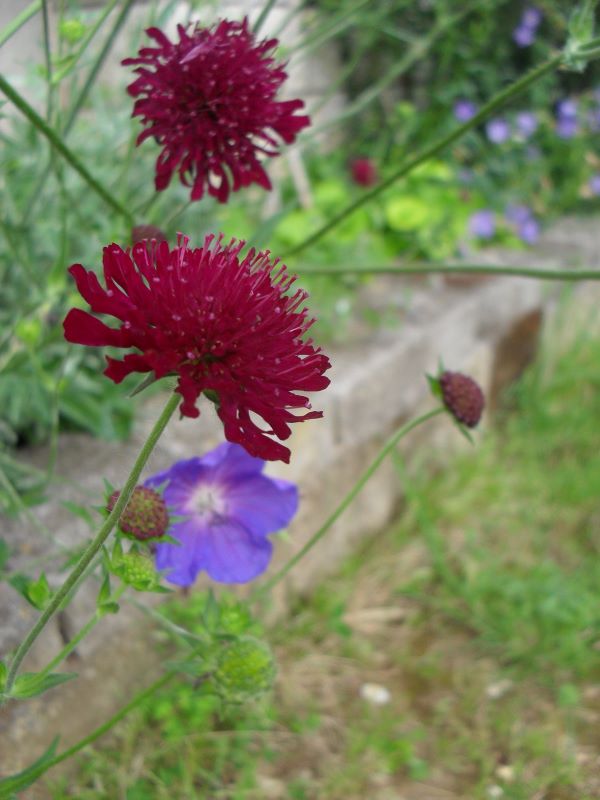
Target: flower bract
x: 224, y: 323
x: 209, y: 101
x: 225, y: 509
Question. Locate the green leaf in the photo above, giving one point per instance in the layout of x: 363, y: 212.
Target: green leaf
x: 12, y: 784
x: 4, y: 554
x: 3, y: 674
x: 104, y: 593
x: 38, y: 592
x: 31, y: 684
x: 82, y: 512
x: 109, y: 608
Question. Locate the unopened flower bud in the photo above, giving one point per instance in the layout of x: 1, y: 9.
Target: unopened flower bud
x: 137, y: 571
x: 139, y: 233
x: 462, y: 397
x: 245, y: 669
x: 145, y: 516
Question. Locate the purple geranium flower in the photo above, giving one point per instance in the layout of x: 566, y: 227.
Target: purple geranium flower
x: 483, y: 224
x: 227, y: 509
x: 527, y: 123
x: 594, y: 184
x: 498, y: 130
x: 464, y: 110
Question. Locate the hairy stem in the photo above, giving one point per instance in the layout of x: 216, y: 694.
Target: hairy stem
x: 358, y: 486
x: 94, y: 547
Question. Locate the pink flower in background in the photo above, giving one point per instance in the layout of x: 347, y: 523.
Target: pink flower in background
x: 209, y: 101
x: 223, y: 323
x: 364, y: 171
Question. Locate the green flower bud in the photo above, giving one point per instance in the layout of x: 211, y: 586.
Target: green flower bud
x: 245, y: 669
x: 235, y: 619
x: 72, y: 30
x: 137, y: 571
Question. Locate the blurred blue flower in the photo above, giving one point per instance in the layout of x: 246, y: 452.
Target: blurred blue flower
x: 594, y: 184
x: 464, y: 110
x: 531, y: 17
x: 497, y: 130
x: 567, y: 124
x: 527, y: 123
x: 526, y: 225
x: 524, y: 34
x: 482, y: 224
x: 227, y: 508
x: 594, y: 119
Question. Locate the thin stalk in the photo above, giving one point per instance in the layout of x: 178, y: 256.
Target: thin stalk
x: 95, y: 545
x: 496, y: 102
x: 81, y: 634
x: 79, y: 102
x: 457, y: 269
x: 48, y: 61
x: 266, y: 10
x: 57, y: 142
x: 62, y: 73
x: 387, y: 448
x: 97, y: 733
x: 20, y: 20
x: 416, y: 51
x: 97, y: 65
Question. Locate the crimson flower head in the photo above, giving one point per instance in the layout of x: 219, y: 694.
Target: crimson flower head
x: 364, y: 171
x: 224, y: 323
x: 209, y: 102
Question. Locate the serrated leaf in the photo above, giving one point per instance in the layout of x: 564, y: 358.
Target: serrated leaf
x: 12, y: 784
x: 32, y: 684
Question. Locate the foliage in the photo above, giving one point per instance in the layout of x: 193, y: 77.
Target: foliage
x: 493, y: 660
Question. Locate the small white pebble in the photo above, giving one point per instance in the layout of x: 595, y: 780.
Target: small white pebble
x: 494, y: 791
x: 506, y: 773
x: 376, y: 694
x: 497, y: 690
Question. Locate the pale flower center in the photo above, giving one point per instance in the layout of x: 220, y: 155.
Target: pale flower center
x: 208, y: 501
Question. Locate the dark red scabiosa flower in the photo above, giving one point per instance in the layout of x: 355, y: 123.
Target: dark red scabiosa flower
x: 145, y: 516
x: 209, y: 102
x: 224, y: 323
x: 364, y: 172
x: 462, y: 397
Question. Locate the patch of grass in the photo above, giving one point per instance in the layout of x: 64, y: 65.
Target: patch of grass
x: 478, y: 612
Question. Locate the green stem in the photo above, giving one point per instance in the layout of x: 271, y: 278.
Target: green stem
x: 56, y: 142
x: 429, y: 152
x: 95, y: 734
x: 20, y: 20
x: 62, y: 73
x: 416, y: 51
x: 456, y: 269
x: 81, y: 634
x: 94, y: 547
x: 358, y: 486
x: 266, y: 10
